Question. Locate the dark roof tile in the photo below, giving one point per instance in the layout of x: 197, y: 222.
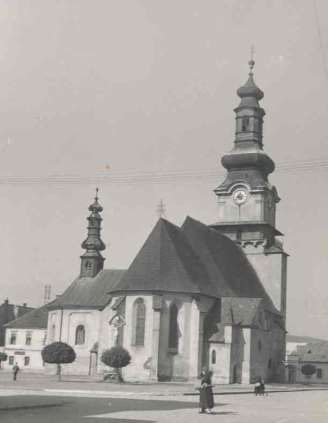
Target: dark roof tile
x: 90, y: 292
x: 167, y: 263
x: 35, y: 319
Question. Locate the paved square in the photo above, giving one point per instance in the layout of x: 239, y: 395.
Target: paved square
x: 291, y: 407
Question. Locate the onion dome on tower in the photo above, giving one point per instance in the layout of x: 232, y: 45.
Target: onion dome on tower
x: 247, y: 153
x: 246, y: 199
x: 92, y: 261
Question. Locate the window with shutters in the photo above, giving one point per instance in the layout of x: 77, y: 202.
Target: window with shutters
x: 13, y: 338
x: 28, y: 338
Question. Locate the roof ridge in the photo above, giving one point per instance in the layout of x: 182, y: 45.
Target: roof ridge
x: 174, y: 246
x: 186, y: 269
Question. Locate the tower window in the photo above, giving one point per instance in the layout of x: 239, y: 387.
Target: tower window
x: 88, y: 265
x: 139, y: 320
x: 245, y: 124
x: 80, y: 335
x: 270, y: 363
x: 213, y: 357
x: 173, y: 328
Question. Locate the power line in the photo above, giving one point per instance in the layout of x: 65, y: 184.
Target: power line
x: 135, y: 177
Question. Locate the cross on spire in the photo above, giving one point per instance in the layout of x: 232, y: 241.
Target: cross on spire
x: 251, y: 62
x: 161, y: 209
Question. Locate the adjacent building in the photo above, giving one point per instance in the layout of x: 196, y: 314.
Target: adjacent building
x: 314, y: 354
x: 196, y: 295
x: 9, y: 312
x: 25, y: 338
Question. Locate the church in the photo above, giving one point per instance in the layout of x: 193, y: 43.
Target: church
x: 195, y: 296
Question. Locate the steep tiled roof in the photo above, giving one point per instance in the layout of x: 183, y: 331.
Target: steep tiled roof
x: 167, y: 263
x: 316, y: 352
x: 226, y: 263
x: 241, y: 311
x: 9, y: 312
x: 35, y: 319
x: 89, y: 292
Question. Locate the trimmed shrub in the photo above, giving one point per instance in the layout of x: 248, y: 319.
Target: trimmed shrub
x: 58, y: 353
x: 308, y: 370
x: 117, y: 358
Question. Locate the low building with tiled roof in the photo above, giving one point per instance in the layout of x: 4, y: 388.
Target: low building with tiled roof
x: 25, y: 338
x: 196, y: 295
x: 313, y: 353
x: 9, y: 312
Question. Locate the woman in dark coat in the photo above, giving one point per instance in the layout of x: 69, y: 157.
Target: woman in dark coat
x: 206, y: 401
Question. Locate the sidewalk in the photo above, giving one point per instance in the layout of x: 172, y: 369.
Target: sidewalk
x: 40, y: 384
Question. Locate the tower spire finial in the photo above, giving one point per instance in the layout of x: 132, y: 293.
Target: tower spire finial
x: 251, y: 62
x: 97, y: 190
x: 161, y: 209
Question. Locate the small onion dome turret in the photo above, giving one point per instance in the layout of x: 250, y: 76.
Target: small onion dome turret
x: 250, y: 90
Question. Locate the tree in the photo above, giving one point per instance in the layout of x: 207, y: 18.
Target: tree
x: 3, y: 357
x: 308, y: 370
x: 116, y: 357
x: 58, y: 353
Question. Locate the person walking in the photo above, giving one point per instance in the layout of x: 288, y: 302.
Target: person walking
x: 15, y: 371
x: 206, y: 400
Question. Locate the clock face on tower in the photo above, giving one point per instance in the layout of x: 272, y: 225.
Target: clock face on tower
x: 240, y: 196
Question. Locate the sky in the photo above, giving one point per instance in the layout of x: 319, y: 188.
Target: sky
x: 136, y: 97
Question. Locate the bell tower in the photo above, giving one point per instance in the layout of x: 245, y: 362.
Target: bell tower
x: 92, y: 262
x: 246, y: 199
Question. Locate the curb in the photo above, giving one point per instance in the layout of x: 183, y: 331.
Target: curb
x: 32, y: 406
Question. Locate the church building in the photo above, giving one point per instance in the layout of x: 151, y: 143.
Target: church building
x: 194, y: 296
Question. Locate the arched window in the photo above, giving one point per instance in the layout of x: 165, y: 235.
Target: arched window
x: 80, y: 335
x: 245, y: 124
x: 270, y: 363
x: 213, y: 357
x: 173, y: 328
x: 139, y: 320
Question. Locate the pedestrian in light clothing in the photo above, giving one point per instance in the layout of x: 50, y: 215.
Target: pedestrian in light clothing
x: 15, y: 371
x: 206, y: 401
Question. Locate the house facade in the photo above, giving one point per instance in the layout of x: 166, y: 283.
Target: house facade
x: 25, y: 338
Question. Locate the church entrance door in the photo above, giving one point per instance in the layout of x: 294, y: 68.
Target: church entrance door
x: 235, y: 374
